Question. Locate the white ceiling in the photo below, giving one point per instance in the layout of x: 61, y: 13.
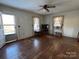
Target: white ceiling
x: 33, y: 5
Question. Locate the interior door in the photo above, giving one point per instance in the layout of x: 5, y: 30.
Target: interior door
x: 9, y: 26
x: 2, y: 37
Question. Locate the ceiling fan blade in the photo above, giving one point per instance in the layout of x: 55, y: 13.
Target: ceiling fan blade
x: 51, y: 6
x: 47, y: 10
x: 41, y: 5
x: 41, y: 9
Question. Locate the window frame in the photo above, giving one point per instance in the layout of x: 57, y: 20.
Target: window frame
x: 9, y: 24
x: 62, y: 20
x: 33, y: 21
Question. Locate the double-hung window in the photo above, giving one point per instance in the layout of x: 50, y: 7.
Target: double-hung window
x: 8, y: 24
x: 36, y: 24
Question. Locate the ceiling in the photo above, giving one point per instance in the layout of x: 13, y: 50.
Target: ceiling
x: 34, y: 5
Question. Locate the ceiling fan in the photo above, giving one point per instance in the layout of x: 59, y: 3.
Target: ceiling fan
x: 47, y: 6
x: 54, y: 5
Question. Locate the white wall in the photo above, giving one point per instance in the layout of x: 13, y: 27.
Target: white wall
x: 23, y: 18
x: 71, y: 22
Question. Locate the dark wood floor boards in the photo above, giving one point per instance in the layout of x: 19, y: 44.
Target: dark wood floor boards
x: 43, y: 47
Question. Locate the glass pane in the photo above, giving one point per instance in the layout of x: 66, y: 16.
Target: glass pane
x: 9, y: 30
x: 58, y: 21
x: 36, y: 20
x: 8, y: 19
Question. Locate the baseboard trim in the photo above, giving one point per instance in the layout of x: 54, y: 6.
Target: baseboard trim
x: 2, y: 45
x: 27, y: 37
x: 18, y: 40
x: 69, y: 37
x: 62, y: 36
x: 11, y: 41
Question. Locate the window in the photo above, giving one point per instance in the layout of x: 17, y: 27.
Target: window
x: 36, y: 24
x: 8, y: 24
x: 58, y: 21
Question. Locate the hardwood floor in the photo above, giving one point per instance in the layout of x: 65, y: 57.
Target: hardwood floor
x: 43, y: 47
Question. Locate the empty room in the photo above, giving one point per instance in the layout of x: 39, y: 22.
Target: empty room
x: 39, y: 29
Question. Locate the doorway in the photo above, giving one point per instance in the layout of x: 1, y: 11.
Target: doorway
x: 9, y: 26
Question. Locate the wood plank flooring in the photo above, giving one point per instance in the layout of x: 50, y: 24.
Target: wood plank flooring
x: 43, y: 47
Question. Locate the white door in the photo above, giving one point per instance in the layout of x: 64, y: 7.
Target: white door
x: 2, y: 37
